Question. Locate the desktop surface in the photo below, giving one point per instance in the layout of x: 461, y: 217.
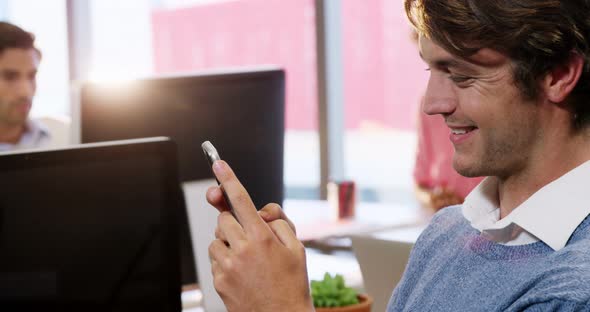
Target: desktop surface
x: 315, y: 219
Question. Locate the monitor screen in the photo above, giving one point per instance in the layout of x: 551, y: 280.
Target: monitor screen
x: 90, y: 228
x: 240, y: 112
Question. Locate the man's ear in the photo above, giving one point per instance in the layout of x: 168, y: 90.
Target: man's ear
x: 561, y: 80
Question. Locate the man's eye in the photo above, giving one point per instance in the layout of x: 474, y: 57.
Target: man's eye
x: 9, y: 76
x: 460, y: 78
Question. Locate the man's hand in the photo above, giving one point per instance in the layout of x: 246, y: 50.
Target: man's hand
x: 268, y: 213
x: 257, y: 263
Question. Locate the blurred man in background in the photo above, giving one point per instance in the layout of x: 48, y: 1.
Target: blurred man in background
x: 19, y: 61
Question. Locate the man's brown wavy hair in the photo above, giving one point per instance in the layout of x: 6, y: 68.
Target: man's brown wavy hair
x: 537, y: 35
x: 12, y: 36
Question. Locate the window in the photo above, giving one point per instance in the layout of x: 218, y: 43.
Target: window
x: 383, y: 83
x: 140, y: 37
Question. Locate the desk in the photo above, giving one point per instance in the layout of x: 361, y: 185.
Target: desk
x: 314, y: 218
x: 315, y: 222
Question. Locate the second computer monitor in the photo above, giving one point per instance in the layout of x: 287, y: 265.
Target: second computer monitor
x: 240, y: 112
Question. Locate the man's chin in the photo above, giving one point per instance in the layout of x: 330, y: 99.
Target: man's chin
x: 468, y: 169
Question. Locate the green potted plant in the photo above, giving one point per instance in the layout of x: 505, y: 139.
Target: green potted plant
x: 332, y: 295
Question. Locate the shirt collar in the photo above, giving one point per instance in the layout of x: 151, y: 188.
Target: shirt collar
x: 34, y: 136
x: 35, y: 131
x: 551, y: 214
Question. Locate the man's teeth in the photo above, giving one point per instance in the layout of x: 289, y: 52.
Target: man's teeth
x: 457, y: 131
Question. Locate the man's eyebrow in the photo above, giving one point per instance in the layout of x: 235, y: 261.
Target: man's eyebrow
x: 8, y: 71
x: 448, y: 62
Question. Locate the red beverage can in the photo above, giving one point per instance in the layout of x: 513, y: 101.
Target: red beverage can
x: 342, y: 198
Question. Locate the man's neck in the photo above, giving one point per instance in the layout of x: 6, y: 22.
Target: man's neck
x: 549, y: 166
x: 11, y: 133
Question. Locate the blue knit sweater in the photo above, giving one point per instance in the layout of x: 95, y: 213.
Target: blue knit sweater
x: 454, y: 268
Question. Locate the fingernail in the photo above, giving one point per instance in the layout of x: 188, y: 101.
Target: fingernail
x: 263, y: 214
x: 218, y: 167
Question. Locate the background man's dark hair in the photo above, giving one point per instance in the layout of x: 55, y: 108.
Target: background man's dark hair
x: 536, y: 34
x: 12, y: 36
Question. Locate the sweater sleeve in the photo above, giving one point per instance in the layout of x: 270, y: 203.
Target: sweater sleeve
x: 558, y: 305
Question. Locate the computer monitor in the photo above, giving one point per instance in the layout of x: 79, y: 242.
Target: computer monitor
x: 90, y: 228
x: 240, y: 111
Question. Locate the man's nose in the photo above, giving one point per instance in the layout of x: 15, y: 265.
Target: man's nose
x: 25, y: 88
x: 440, y: 98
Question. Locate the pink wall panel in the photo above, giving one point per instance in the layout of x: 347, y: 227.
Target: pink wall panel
x: 237, y: 33
x: 383, y: 73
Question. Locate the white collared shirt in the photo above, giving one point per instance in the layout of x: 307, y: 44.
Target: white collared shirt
x: 551, y: 214
x: 35, y: 136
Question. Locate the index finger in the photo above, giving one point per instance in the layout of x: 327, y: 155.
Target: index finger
x: 238, y: 196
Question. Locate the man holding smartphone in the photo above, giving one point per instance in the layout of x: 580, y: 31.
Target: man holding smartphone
x: 512, y: 80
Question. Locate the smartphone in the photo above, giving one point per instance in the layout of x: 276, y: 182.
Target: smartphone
x: 212, y: 155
